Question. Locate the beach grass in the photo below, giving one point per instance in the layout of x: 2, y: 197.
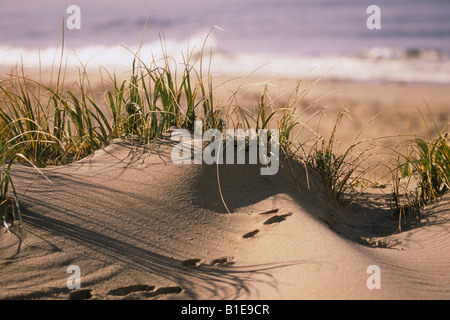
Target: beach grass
x: 342, y: 171
x: 43, y: 124
x: 421, y: 170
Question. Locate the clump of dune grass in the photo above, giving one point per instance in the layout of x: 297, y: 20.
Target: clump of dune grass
x: 59, y: 124
x: 341, y: 171
x: 403, y: 200
x: 421, y: 171
x: 425, y: 164
x: 45, y: 124
x: 9, y: 200
x: 268, y: 112
x: 24, y: 119
x: 157, y: 97
x: 25, y: 136
x: 428, y: 160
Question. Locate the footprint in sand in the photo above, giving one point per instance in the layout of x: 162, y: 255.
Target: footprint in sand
x: 223, y: 261
x: 250, y: 234
x: 277, y: 219
x: 81, y: 294
x: 123, y: 291
x: 145, y: 290
x: 192, y: 262
x: 270, y: 211
x: 164, y: 291
x: 271, y: 220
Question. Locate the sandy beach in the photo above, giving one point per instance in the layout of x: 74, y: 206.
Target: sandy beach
x: 139, y: 226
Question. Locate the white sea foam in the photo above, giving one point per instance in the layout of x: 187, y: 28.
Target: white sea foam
x: 377, y: 65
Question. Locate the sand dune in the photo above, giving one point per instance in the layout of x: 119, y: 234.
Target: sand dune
x: 140, y: 227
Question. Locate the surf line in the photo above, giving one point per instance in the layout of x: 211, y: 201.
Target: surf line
x: 257, y: 143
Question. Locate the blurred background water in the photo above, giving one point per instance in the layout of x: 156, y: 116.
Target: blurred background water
x: 287, y: 37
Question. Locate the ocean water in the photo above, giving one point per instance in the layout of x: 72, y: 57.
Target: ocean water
x: 277, y: 38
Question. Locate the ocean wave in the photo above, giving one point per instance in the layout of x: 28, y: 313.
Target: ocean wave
x: 382, y: 52
x: 346, y: 68
x: 378, y: 64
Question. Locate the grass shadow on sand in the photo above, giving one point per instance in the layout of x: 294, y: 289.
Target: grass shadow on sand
x: 212, y: 282
x: 116, y: 209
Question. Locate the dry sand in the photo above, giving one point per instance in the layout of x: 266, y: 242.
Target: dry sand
x: 140, y: 227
